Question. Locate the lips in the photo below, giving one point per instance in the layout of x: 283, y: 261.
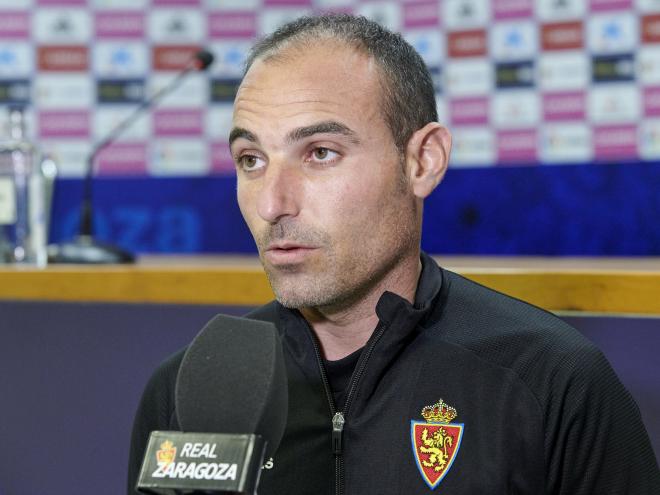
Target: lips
x: 287, y: 253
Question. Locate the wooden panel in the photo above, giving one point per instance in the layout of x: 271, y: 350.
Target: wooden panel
x: 596, y: 285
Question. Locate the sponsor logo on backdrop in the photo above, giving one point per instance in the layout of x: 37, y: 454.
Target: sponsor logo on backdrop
x: 515, y: 74
x: 564, y: 106
x: 14, y: 25
x: 469, y: 77
x: 123, y: 158
x: 224, y: 90
x: 612, y: 33
x: 62, y: 26
x: 562, y: 36
x: 652, y: 102
x: 63, y: 91
x: 649, y: 139
x: 176, y: 26
x: 511, y: 9
x: 229, y: 58
x: 515, y: 108
x: 566, y: 142
x: 648, y: 65
x: 68, y: 58
x: 467, y: 43
x: 221, y: 160
x: 120, y: 24
x: 387, y: 14
x: 563, y: 71
x: 605, y: 5
x: 191, y: 93
x: 465, y: 14
x: 121, y: 4
x: 472, y: 146
x: 513, y: 40
x: 613, y: 68
x: 517, y: 146
x: 120, y: 60
x: 233, y: 4
x: 173, y: 58
x: 421, y: 14
x: 469, y: 111
x: 64, y: 124
x: 120, y: 91
x: 616, y: 141
x: 651, y: 28
x: 180, y: 122
x: 179, y: 157
x: 107, y: 117
x: 556, y: 10
x: 15, y: 91
x: 429, y: 43
x: 239, y: 24
x: 614, y: 103
x: 16, y: 60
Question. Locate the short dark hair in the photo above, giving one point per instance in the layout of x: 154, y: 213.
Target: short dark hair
x: 408, y: 99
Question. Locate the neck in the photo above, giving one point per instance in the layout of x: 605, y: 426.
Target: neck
x: 343, y: 330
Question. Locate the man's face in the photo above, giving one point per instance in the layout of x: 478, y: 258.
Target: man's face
x: 320, y: 181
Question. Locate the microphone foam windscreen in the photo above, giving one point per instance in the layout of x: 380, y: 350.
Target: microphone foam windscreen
x: 232, y: 380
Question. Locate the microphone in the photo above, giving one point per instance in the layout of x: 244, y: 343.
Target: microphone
x: 84, y: 248
x: 231, y: 402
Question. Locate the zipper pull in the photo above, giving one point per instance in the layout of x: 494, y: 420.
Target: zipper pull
x: 337, y: 430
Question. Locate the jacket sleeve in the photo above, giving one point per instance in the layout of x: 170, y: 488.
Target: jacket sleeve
x: 595, y: 441
x: 155, y: 412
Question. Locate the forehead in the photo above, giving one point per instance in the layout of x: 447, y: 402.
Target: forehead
x: 326, y: 79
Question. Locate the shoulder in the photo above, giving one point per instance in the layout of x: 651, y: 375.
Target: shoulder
x: 509, y: 333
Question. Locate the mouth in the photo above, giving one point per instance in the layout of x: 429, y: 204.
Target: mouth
x: 287, y: 253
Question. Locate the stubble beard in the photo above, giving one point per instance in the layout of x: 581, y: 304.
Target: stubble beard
x: 330, y: 282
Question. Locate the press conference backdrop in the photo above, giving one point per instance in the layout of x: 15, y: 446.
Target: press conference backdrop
x: 525, y: 83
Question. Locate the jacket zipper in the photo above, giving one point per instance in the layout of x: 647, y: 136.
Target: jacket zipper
x: 339, y: 417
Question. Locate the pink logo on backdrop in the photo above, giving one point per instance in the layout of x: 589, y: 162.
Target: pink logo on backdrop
x: 604, y: 5
x: 233, y: 24
x: 290, y: 3
x: 123, y: 159
x: 616, y: 141
x: 120, y: 24
x: 177, y: 3
x: 652, y: 102
x: 564, y: 106
x: 64, y: 124
x: 421, y: 13
x: 14, y: 25
x: 510, y: 9
x: 517, y: 146
x: 62, y: 3
x: 469, y: 111
x: 221, y: 160
x: 179, y: 123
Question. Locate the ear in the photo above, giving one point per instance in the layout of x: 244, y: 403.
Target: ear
x: 427, y: 156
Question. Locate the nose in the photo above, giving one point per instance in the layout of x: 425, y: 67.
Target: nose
x: 279, y: 195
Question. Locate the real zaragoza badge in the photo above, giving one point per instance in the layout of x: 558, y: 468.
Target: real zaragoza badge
x: 436, y: 442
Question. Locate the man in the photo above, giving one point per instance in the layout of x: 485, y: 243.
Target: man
x: 402, y: 376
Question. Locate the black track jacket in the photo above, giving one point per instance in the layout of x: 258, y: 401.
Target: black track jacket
x: 542, y: 411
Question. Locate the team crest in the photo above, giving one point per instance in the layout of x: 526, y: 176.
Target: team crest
x: 166, y: 454
x: 436, y: 442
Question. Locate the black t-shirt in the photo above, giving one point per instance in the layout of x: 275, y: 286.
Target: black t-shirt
x: 339, y: 374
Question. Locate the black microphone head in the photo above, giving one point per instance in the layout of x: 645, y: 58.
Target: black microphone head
x: 203, y: 59
x: 232, y: 379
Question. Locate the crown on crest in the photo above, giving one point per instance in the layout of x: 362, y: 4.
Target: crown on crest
x: 440, y: 412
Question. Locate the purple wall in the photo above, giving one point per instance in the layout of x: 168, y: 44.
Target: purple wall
x: 71, y: 376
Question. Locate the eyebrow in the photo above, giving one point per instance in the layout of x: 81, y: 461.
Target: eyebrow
x: 326, y: 127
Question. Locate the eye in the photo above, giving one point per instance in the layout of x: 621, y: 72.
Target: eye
x: 324, y: 155
x: 250, y: 163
